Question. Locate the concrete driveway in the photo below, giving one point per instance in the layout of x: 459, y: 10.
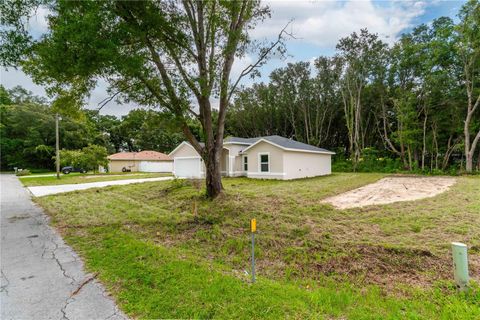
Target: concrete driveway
x: 54, y: 189
x: 40, y: 274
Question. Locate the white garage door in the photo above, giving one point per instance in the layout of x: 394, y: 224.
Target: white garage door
x: 155, y: 166
x: 187, y: 168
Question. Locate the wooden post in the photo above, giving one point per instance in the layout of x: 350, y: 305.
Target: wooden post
x: 460, y: 264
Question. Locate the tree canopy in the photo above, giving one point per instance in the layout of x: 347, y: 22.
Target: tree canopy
x: 416, y: 101
x: 173, y: 55
x: 27, y: 131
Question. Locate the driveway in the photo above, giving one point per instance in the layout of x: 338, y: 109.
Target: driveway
x: 54, y: 189
x: 42, y: 277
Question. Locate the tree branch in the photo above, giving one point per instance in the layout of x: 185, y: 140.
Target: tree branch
x: 246, y: 71
x: 179, y: 115
x: 475, y: 142
x: 105, y: 101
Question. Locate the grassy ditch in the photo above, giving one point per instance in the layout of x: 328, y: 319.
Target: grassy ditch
x: 166, y: 252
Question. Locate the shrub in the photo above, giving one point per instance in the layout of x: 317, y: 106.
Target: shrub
x: 177, y: 184
x: 373, y: 160
x: 24, y: 172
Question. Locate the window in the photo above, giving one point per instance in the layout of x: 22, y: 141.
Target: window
x: 245, y: 163
x: 264, y: 163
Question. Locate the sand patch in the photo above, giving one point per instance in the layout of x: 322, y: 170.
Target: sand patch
x: 392, y: 189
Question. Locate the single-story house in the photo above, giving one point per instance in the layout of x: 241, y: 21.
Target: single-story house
x: 270, y: 157
x: 143, y: 161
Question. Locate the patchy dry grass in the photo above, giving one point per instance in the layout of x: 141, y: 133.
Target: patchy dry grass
x: 391, y: 253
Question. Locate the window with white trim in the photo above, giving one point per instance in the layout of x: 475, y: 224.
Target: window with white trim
x: 264, y: 163
x: 245, y: 163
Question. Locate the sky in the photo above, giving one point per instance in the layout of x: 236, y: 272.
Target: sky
x: 316, y: 25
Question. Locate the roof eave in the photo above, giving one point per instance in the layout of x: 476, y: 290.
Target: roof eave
x: 139, y: 159
x: 310, y: 151
x: 287, y: 149
x: 242, y: 143
x: 178, y: 147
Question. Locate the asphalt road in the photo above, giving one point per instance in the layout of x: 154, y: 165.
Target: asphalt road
x: 41, y: 191
x: 39, y: 272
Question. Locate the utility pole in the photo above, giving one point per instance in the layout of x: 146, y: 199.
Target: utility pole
x: 57, y: 146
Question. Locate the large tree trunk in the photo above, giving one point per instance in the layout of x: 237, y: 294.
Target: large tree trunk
x: 471, y: 108
x: 435, y: 146
x: 470, y: 146
x: 213, y: 176
x: 469, y: 162
x: 357, y: 121
x: 424, y: 142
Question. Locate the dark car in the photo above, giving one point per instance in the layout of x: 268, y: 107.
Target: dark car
x: 67, y: 170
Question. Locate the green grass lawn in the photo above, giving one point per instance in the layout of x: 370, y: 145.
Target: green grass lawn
x: 74, y: 178
x: 162, y: 258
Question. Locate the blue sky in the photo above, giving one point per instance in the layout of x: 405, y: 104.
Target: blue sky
x: 317, y: 26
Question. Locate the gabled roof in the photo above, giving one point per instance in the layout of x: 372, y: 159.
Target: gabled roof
x: 142, y: 155
x: 278, y: 141
x: 289, y: 145
x: 184, y: 143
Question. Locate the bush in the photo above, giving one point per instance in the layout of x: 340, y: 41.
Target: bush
x: 373, y: 160
x: 89, y: 158
x: 177, y: 184
x: 24, y: 172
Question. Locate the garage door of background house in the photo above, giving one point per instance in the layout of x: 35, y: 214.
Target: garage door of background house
x: 187, y: 167
x: 155, y: 166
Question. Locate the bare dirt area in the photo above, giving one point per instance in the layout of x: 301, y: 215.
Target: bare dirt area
x: 392, y: 189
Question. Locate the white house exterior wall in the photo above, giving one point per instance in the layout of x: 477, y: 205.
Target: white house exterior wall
x: 283, y: 164
x: 276, y: 164
x: 236, y: 160
x: 155, y: 166
x: 186, y: 151
x: 302, y: 164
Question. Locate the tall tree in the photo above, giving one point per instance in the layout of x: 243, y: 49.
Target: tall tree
x: 468, y: 45
x: 27, y: 130
x: 359, y: 53
x: 156, y: 53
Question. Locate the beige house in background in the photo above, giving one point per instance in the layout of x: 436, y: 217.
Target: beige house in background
x: 270, y: 157
x: 143, y: 161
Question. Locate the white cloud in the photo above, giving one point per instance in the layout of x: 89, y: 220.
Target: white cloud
x: 38, y: 22
x: 320, y: 24
x: 99, y: 94
x: 10, y: 78
x: 323, y: 23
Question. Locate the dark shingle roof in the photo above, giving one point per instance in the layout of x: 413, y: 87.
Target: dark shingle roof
x: 292, y: 144
x: 280, y: 141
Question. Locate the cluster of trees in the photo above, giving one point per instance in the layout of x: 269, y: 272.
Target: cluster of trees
x: 88, y: 158
x: 417, y: 101
x: 27, y: 131
x: 141, y: 129
x: 175, y: 55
